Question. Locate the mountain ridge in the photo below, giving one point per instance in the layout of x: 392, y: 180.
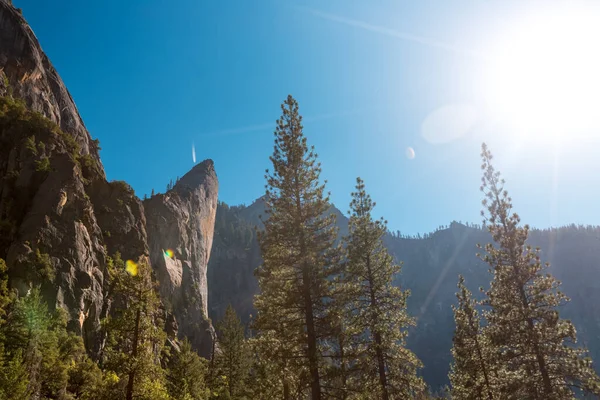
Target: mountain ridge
x: 431, y: 265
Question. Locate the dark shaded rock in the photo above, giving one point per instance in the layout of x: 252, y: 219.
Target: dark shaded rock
x: 50, y: 236
x: 182, y: 220
x: 28, y: 74
x: 60, y: 218
x: 120, y: 215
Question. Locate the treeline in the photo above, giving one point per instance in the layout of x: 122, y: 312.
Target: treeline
x: 329, y: 323
x: 335, y: 327
x: 40, y: 359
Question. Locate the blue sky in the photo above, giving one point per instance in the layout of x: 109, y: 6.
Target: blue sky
x: 372, y: 78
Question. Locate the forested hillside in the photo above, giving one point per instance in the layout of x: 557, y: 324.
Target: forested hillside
x: 431, y: 267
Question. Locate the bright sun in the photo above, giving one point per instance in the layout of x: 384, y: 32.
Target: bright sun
x: 543, y: 75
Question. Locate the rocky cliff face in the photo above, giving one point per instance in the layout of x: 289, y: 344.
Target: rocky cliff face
x: 29, y: 75
x: 180, y: 226
x: 60, y: 218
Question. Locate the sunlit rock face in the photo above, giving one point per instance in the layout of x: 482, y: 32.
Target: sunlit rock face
x: 180, y: 225
x: 57, y: 211
x: 31, y: 77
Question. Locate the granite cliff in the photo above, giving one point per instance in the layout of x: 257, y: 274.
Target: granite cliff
x: 180, y: 226
x: 60, y: 218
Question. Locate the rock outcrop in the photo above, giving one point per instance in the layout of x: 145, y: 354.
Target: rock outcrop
x: 29, y: 75
x: 180, y: 225
x: 60, y: 219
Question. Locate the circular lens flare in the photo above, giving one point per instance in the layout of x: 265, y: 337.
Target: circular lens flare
x: 169, y: 253
x: 131, y: 268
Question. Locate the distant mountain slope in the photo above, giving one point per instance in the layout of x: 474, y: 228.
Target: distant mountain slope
x: 431, y: 268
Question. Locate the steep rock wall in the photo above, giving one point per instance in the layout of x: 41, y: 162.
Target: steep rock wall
x: 60, y: 218
x: 30, y: 76
x: 182, y: 221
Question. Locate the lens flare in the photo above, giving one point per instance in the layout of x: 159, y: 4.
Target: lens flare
x: 169, y: 253
x: 131, y: 268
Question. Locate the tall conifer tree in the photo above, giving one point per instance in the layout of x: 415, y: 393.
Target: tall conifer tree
x: 534, y: 345
x: 299, y: 253
x: 388, y: 370
x: 234, y: 356
x: 135, y: 336
x: 471, y: 374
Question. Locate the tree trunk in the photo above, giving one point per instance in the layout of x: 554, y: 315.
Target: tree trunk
x: 311, y: 337
x: 482, y: 364
x: 136, y: 334
x: 378, y: 340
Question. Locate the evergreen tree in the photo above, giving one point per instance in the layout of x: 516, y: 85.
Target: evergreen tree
x: 14, y: 379
x: 186, y: 374
x: 534, y: 345
x: 48, y: 353
x: 387, y: 369
x: 25, y: 334
x: 342, y: 378
x: 472, y: 374
x: 135, y: 339
x: 264, y: 381
x: 234, y: 357
x: 152, y: 193
x: 298, y: 252
x: 5, y: 295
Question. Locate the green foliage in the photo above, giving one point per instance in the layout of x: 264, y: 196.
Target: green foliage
x: 186, y: 375
x: 373, y: 317
x: 14, y: 379
x: 473, y: 374
x: 234, y: 357
x: 40, y: 356
x: 299, y: 256
x: 96, y: 144
x: 40, y: 268
x: 31, y: 146
x: 533, y: 345
x: 135, y: 339
x: 7, y: 84
x: 122, y: 187
x: 43, y: 165
x: 6, y: 296
x: 87, y: 161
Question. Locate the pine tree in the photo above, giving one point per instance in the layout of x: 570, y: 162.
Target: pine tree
x: 472, y: 374
x: 233, y: 358
x: 5, y: 295
x: 186, y: 374
x: 298, y: 253
x: 25, y: 333
x: 264, y: 381
x: 342, y: 378
x: 388, y: 370
x: 135, y: 339
x: 38, y: 338
x: 536, y: 356
x: 152, y: 193
x: 14, y: 379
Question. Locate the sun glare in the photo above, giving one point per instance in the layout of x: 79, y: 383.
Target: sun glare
x: 543, y: 75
